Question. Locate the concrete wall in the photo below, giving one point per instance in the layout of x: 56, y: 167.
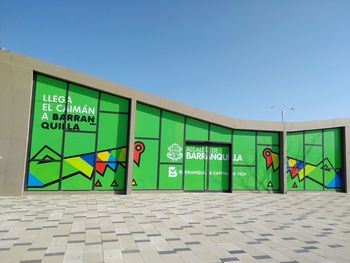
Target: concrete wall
x: 16, y: 73
x: 15, y: 102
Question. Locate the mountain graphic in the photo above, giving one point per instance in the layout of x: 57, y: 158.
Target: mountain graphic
x: 46, y: 154
x: 323, y: 173
x: 47, y: 164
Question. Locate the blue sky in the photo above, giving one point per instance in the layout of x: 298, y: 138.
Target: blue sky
x: 232, y: 57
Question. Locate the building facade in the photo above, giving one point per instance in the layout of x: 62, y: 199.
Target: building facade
x: 64, y: 131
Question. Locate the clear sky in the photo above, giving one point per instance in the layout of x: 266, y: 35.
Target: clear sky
x: 232, y: 57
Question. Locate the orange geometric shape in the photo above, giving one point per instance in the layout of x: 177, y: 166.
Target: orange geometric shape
x: 139, y: 148
x: 272, y: 159
x: 101, y: 168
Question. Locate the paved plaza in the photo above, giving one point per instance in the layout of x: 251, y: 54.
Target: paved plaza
x: 176, y: 227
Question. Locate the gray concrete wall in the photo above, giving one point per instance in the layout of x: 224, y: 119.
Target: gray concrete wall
x: 16, y: 86
x: 16, y: 73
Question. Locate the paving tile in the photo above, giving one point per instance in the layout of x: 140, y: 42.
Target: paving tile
x: 176, y: 227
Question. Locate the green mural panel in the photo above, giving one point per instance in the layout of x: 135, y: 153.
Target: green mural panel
x: 317, y: 171
x: 295, y: 147
x: 145, y: 172
x: 333, y: 159
x: 313, y: 154
x: 172, y: 137
x: 314, y: 172
x: 79, y: 159
x: 332, y: 147
x: 220, y: 134
x: 196, y: 130
x: 147, y: 121
x: 170, y: 177
x: 268, y: 138
x: 295, y: 153
x: 110, y: 176
x: 268, y: 175
x: 86, y: 144
x: 76, y: 182
x: 113, y: 131
x: 82, y: 105
x: 243, y: 178
x: 244, y: 147
x: 195, y: 168
x: 219, y: 165
x: 313, y: 137
x: 43, y: 175
x: 47, y: 133
x: 50, y: 104
x: 113, y: 103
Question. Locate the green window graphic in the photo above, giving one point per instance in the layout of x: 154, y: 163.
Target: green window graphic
x: 171, y: 151
x: 244, y: 158
x: 164, y: 155
x: 220, y: 134
x: 170, y: 176
x: 219, y: 168
x: 255, y: 161
x: 77, y: 171
x: 172, y: 137
x: 47, y: 136
x: 145, y: 168
x: 147, y: 122
x: 314, y: 160
x: 207, y: 167
x: 196, y: 130
x: 79, y: 138
x: 295, y: 153
x: 196, y: 168
x: 268, y: 158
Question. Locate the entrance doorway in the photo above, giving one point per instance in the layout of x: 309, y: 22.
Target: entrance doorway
x: 207, y: 167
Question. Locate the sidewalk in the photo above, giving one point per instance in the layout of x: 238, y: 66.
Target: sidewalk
x: 176, y: 227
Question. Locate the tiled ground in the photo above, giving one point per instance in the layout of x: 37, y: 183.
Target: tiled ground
x: 176, y: 227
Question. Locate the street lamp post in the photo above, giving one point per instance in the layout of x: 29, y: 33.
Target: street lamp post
x: 282, y: 111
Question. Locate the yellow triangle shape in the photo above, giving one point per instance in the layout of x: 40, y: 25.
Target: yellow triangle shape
x: 275, y: 161
x: 103, y: 156
x: 292, y: 162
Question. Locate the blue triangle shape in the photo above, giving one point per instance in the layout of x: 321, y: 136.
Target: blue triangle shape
x: 111, y: 158
x: 113, y: 166
x: 336, y: 182
x: 300, y: 165
x: 33, y: 181
x: 89, y: 158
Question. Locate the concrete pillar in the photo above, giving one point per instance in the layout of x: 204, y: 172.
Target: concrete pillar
x: 346, y: 159
x: 283, y: 161
x: 132, y: 119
